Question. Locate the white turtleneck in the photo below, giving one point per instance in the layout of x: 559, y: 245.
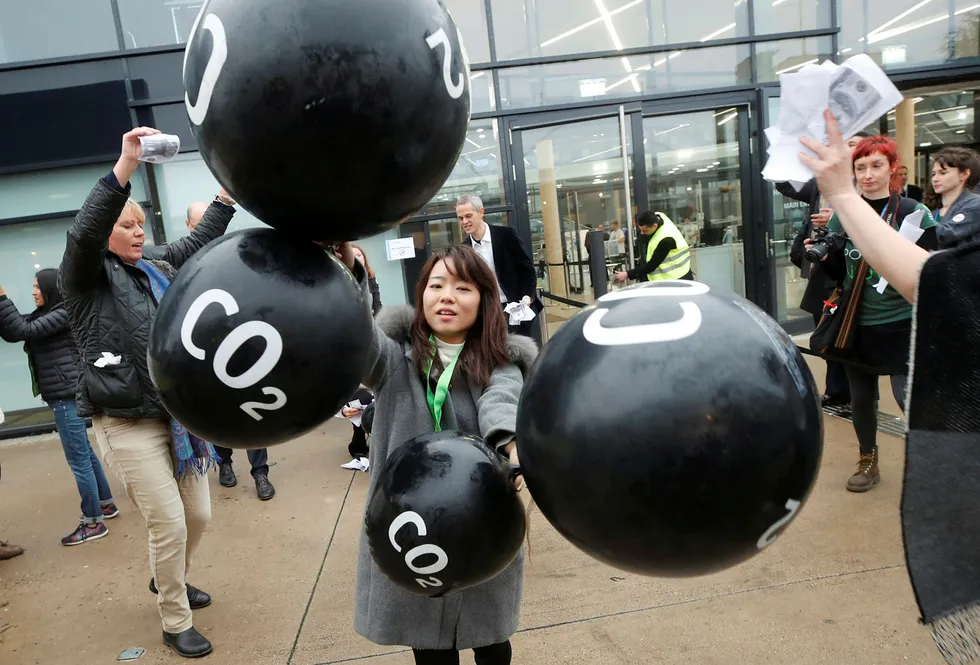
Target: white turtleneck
x: 446, y: 351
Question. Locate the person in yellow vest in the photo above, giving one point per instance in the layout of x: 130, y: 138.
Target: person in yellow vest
x: 668, y: 255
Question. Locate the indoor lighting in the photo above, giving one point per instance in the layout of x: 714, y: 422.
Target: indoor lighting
x: 925, y: 144
x: 802, y: 64
x: 725, y: 111
x: 690, y: 189
x: 33, y: 253
x: 724, y: 121
x: 888, y: 34
x: 685, y: 154
x: 898, y: 18
x: 589, y: 24
x: 716, y: 33
x: 37, y: 266
x: 961, y: 131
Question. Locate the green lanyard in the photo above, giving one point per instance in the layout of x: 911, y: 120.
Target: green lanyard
x: 437, y: 400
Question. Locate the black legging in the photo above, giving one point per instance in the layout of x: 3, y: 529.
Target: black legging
x: 495, y: 654
x: 864, y: 404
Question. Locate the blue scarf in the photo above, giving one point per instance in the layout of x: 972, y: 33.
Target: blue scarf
x: 192, y: 454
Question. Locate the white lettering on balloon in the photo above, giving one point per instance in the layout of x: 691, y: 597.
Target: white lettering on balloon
x: 688, y: 324
x: 454, y: 88
x: 442, y: 559
x: 230, y: 344
x: 219, y: 53
x: 769, y: 537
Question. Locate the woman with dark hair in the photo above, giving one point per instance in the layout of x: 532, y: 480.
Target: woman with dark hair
x: 883, y: 329
x: 447, y: 363
x: 956, y: 208
x: 53, y: 359
x: 372, y: 280
x: 362, y: 400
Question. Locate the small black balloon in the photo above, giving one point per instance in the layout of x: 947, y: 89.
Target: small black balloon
x: 444, y: 515
x: 259, y: 339
x: 328, y: 120
x: 670, y: 430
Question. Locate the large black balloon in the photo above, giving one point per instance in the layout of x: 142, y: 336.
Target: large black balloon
x: 670, y: 430
x: 334, y: 119
x: 280, y: 341
x: 444, y: 504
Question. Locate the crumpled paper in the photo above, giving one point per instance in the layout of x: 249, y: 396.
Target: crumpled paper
x: 857, y: 92
x: 518, y: 312
x: 107, y: 359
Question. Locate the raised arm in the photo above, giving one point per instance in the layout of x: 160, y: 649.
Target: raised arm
x: 213, y: 225
x: 896, y: 259
x: 14, y: 326
x: 88, y: 237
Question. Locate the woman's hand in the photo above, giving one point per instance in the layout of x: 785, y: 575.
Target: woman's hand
x: 809, y: 243
x: 822, y: 218
x: 832, y: 165
x: 621, y: 276
x: 511, y: 451
x: 349, y: 412
x: 129, y: 156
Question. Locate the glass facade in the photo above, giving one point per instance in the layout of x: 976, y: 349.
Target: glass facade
x: 694, y: 83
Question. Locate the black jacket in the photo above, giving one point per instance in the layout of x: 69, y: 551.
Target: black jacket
x: 111, y: 305
x: 913, y: 192
x: 513, y: 265
x: 819, y: 284
x: 50, y: 348
x: 961, y: 225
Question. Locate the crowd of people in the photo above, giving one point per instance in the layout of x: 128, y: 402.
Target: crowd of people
x: 104, y: 295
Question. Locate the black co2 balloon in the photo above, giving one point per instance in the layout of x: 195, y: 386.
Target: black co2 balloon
x: 259, y: 339
x: 444, y: 515
x: 330, y: 120
x: 670, y: 430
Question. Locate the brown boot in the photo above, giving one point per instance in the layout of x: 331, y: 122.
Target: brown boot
x: 867, y: 475
x: 8, y: 551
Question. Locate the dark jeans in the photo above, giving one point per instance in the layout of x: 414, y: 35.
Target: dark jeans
x: 92, y: 484
x: 358, y: 446
x: 837, y: 387
x: 495, y: 654
x: 864, y: 404
x: 258, y: 457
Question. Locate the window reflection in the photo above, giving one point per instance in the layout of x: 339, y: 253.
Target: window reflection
x: 42, y: 29
x: 693, y: 176
x: 478, y: 171
x: 784, y: 57
x: 904, y: 33
x: 536, y: 28
x: 791, y: 15
x: 609, y: 78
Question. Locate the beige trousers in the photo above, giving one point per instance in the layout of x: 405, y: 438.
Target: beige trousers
x: 177, y: 512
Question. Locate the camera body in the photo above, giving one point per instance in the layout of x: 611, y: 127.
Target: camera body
x: 824, y: 242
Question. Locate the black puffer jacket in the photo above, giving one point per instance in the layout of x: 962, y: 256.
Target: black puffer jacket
x: 50, y: 348
x: 111, y: 305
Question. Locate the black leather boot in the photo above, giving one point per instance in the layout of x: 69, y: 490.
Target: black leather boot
x: 263, y: 487
x: 189, y: 643
x: 197, y: 598
x: 226, y: 475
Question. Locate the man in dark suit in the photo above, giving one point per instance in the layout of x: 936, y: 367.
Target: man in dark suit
x: 501, y: 248
x: 909, y: 191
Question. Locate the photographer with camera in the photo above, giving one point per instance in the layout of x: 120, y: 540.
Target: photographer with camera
x: 880, y: 332
x: 819, y: 285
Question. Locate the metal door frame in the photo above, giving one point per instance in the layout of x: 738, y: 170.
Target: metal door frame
x: 515, y: 126
x: 759, y: 268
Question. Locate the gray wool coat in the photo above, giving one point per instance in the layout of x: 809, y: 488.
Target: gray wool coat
x: 385, y: 613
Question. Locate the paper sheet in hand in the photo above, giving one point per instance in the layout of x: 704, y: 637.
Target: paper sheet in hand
x: 518, y: 313
x: 911, y: 230
x: 857, y: 93
x: 354, y: 404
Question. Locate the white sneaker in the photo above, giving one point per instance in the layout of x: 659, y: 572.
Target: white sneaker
x: 357, y: 464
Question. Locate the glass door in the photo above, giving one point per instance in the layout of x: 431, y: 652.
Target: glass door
x: 694, y: 174
x: 576, y: 176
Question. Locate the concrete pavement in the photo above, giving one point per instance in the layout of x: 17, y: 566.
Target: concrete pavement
x: 833, y: 589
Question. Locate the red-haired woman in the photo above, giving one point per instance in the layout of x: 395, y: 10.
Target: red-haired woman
x: 883, y: 330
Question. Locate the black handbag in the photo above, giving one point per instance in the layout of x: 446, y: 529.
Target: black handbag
x: 834, y: 334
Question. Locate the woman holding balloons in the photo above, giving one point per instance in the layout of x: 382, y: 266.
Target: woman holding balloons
x: 455, y: 338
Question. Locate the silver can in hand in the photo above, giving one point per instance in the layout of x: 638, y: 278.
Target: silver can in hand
x: 159, y: 148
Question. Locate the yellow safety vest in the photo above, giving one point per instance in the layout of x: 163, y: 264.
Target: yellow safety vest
x: 678, y: 261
